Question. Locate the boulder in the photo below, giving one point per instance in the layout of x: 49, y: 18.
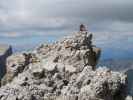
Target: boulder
x: 36, y: 70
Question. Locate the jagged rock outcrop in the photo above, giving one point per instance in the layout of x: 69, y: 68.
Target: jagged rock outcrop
x: 64, y: 70
x: 15, y: 65
x: 5, y: 51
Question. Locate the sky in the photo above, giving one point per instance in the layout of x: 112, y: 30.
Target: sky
x: 27, y: 23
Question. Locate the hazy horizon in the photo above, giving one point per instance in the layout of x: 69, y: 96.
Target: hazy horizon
x: 109, y: 50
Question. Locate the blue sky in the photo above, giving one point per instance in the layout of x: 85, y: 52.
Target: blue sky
x: 27, y: 23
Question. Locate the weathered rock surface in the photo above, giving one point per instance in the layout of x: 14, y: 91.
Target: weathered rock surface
x: 5, y: 51
x: 64, y: 70
x: 15, y: 65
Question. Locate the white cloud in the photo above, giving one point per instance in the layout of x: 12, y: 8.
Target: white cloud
x: 113, y: 19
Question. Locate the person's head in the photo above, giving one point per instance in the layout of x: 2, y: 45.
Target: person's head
x: 82, y: 27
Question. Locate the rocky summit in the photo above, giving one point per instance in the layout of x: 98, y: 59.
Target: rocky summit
x: 64, y: 70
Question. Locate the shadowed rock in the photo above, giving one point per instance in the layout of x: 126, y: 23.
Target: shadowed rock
x: 5, y: 51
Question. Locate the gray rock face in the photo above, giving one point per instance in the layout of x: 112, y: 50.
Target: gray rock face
x: 64, y: 70
x: 5, y: 51
x: 16, y: 64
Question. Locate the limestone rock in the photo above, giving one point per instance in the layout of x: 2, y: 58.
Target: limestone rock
x: 64, y: 70
x: 16, y: 63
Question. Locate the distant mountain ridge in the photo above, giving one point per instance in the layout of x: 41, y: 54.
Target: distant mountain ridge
x: 5, y: 51
x: 117, y: 64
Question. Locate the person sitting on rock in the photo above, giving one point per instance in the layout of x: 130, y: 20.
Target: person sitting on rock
x: 82, y: 28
